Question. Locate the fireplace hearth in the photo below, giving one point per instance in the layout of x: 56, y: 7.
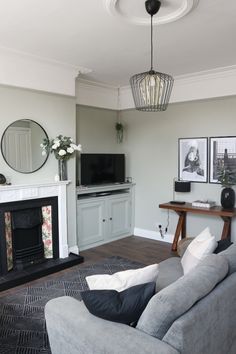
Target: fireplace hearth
x: 18, y: 277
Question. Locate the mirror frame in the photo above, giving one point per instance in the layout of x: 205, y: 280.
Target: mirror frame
x: 46, y: 136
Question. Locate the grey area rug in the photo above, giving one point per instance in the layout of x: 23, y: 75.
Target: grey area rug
x: 22, y: 324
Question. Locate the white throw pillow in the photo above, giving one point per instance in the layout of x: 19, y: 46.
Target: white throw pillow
x: 123, y: 280
x: 202, y: 245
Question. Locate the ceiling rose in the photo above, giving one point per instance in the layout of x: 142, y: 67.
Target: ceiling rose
x: 133, y: 11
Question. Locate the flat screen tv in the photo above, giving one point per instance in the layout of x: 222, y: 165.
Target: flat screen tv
x: 102, y: 168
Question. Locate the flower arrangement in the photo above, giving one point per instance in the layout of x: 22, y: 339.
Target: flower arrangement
x: 62, y: 147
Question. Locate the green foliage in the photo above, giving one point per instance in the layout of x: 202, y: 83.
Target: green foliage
x: 119, y: 132
x: 119, y: 126
x: 226, y: 177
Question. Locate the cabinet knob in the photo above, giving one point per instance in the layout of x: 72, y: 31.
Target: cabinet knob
x: 103, y: 220
x: 110, y: 218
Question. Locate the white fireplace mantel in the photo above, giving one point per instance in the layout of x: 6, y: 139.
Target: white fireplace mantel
x: 22, y: 192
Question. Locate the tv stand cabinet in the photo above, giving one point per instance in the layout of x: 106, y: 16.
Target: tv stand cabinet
x: 104, y: 213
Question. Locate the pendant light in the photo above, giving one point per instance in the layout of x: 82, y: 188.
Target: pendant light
x: 151, y: 90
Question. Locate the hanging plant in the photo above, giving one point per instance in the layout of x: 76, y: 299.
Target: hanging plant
x: 119, y: 132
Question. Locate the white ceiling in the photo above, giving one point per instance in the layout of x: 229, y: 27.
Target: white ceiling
x: 83, y: 33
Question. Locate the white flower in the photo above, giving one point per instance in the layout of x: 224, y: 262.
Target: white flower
x: 70, y: 150
x: 76, y: 147
x: 79, y: 147
x: 62, y: 152
x: 73, y: 146
x: 42, y: 145
x: 44, y: 153
x: 55, y: 146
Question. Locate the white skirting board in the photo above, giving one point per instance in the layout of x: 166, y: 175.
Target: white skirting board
x: 74, y: 249
x: 154, y: 235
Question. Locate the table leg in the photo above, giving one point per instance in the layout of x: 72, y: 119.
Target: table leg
x: 181, y: 228
x: 226, y: 232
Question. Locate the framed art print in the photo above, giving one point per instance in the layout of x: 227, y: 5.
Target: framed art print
x: 222, y: 155
x: 193, y: 159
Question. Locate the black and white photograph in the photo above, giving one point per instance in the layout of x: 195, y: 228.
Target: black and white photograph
x: 222, y: 156
x: 193, y: 159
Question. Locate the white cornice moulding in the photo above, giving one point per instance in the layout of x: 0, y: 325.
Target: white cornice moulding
x: 89, y: 93
x: 24, y: 70
x: 214, y: 83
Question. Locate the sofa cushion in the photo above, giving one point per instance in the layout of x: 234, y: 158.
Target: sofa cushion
x: 171, y: 302
x: 230, y: 254
x: 183, y: 244
x: 73, y: 330
x: 202, y: 245
x: 123, y: 280
x: 222, y: 245
x: 168, y: 271
x: 124, y: 307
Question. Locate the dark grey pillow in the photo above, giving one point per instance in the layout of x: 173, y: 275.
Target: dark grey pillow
x: 124, y: 307
x: 222, y: 245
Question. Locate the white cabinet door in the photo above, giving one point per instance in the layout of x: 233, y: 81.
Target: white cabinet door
x: 119, y: 216
x: 90, y: 221
x: 103, y: 217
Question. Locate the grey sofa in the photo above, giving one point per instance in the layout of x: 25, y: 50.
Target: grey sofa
x: 190, y: 314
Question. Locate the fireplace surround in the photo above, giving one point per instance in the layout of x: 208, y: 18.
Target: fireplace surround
x: 51, y: 197
x: 20, y: 235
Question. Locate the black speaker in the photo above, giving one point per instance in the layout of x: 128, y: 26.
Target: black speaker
x: 182, y: 186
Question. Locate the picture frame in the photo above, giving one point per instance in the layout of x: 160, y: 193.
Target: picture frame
x: 193, y: 159
x: 222, y: 153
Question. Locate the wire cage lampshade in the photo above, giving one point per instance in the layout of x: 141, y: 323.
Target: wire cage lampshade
x: 151, y: 90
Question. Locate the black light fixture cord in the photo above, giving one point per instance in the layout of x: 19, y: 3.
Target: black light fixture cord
x: 151, y: 44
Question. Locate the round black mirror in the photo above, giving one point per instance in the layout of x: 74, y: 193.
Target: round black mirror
x: 20, y: 146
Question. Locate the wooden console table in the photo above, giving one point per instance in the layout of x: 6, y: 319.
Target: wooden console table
x: 182, y: 211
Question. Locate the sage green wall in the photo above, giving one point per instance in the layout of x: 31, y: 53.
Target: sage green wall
x: 151, y: 148
x: 151, y: 145
x: 56, y: 114
x: 96, y: 130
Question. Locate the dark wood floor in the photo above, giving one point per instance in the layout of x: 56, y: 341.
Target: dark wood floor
x: 134, y: 248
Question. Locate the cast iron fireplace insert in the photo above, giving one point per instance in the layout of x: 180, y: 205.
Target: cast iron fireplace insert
x: 27, y: 237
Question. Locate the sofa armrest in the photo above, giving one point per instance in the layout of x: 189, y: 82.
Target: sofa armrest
x: 73, y: 330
